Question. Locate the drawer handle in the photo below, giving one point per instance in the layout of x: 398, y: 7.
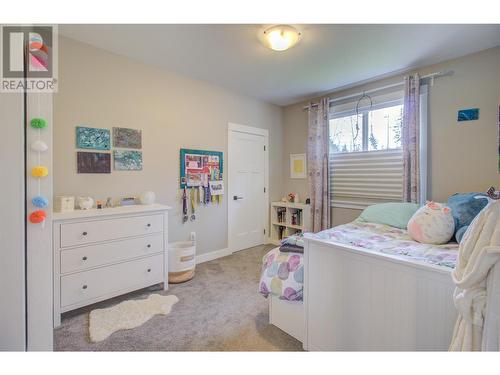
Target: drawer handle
x: 149, y: 245
x: 84, y: 233
x: 84, y: 258
x: 84, y: 287
x: 148, y: 225
x: 149, y: 269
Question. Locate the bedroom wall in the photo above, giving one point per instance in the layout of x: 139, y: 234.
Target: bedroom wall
x: 101, y: 89
x: 463, y: 156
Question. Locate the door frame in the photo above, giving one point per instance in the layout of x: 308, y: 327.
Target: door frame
x: 233, y: 127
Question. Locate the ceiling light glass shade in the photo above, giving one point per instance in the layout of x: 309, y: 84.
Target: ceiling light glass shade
x: 281, y: 37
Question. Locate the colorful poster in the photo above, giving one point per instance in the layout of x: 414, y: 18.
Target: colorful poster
x: 198, y: 167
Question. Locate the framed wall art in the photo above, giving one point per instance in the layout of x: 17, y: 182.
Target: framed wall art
x: 125, y: 160
x: 93, y: 162
x: 127, y: 138
x: 298, y: 167
x: 93, y: 138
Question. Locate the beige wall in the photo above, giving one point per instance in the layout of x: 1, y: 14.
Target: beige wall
x: 463, y: 156
x: 100, y: 89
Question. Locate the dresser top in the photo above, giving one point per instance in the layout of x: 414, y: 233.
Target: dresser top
x: 121, y: 210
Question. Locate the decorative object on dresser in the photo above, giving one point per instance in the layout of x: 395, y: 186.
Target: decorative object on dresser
x: 127, y: 201
x: 289, y: 218
x: 147, y: 197
x: 85, y: 203
x: 64, y: 203
x: 100, y: 254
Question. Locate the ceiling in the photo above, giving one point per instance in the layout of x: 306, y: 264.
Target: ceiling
x: 328, y: 56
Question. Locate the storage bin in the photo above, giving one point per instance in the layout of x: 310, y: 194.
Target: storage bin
x: 181, y: 261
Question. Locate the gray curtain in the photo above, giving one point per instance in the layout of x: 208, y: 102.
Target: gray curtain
x: 317, y: 162
x: 411, y: 139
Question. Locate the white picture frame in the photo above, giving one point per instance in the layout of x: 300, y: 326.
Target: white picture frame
x: 298, y: 166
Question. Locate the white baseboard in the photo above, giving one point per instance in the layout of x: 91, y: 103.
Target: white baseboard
x: 202, y: 258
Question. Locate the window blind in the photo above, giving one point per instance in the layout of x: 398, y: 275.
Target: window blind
x: 358, y: 179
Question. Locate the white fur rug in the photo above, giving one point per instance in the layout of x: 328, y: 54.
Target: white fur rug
x: 127, y: 315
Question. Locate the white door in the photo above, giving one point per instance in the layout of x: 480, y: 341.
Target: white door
x: 247, y: 189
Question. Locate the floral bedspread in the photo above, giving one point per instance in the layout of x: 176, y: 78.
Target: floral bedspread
x: 283, y: 273
x: 390, y: 240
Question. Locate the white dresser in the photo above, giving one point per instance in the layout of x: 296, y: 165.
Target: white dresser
x: 99, y: 254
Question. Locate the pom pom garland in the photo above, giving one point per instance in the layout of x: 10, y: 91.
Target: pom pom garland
x: 37, y: 217
x: 40, y: 201
x: 39, y: 146
x: 39, y: 171
x: 38, y: 123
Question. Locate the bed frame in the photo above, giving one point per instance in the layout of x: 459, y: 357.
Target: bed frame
x: 287, y: 316
x: 360, y: 300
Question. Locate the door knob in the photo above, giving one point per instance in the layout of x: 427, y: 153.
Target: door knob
x: 237, y: 198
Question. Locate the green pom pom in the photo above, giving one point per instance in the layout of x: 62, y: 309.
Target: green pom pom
x: 38, y: 123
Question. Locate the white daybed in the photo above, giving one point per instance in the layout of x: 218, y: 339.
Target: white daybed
x: 361, y: 299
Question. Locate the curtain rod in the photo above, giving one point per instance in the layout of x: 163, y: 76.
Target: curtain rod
x: 428, y: 76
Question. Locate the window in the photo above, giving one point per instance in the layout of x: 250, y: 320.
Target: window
x: 376, y: 129
x: 366, y: 160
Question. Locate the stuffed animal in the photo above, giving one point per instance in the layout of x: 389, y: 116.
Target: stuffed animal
x: 433, y: 223
x: 464, y: 208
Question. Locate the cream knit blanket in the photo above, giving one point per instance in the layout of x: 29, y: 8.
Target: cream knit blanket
x: 478, y: 252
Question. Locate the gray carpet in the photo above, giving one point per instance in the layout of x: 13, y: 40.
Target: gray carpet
x: 220, y: 309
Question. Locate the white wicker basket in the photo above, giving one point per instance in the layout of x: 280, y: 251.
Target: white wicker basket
x: 181, y: 261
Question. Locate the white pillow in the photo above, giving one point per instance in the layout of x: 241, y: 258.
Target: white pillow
x: 433, y: 223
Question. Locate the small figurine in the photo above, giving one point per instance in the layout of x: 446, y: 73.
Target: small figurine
x: 109, y: 202
x: 98, y: 205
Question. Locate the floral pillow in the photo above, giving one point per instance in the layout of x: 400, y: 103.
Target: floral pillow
x: 433, y: 224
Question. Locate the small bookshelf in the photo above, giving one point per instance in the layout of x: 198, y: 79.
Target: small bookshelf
x: 288, y: 219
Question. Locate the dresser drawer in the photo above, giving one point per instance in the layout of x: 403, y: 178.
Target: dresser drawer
x: 81, y: 258
x: 111, y: 280
x: 81, y: 233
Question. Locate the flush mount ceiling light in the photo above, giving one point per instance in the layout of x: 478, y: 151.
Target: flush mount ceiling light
x: 280, y: 37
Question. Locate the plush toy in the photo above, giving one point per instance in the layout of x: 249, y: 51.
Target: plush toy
x: 464, y: 208
x: 433, y: 223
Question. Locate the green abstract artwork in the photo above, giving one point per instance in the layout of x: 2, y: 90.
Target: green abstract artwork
x: 125, y: 160
x: 93, y: 138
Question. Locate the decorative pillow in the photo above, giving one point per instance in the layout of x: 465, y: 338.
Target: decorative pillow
x: 432, y: 224
x: 464, y: 208
x: 393, y: 214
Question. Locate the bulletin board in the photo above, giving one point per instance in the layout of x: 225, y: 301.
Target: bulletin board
x: 199, y: 166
